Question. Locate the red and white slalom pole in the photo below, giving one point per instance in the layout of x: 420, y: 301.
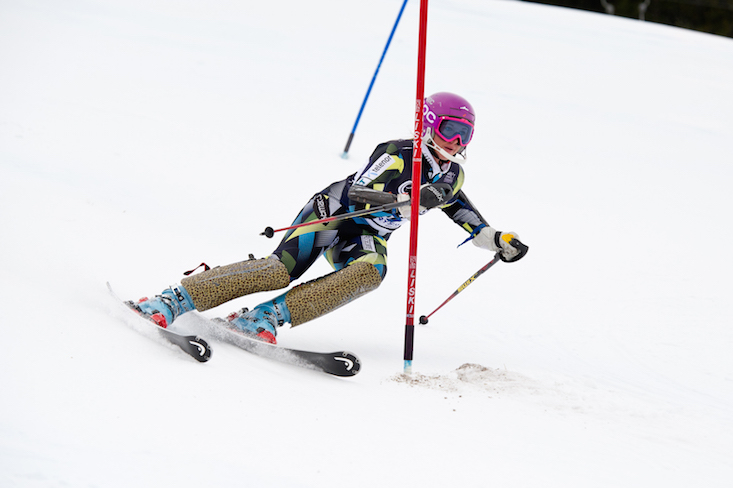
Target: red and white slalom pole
x: 416, y: 180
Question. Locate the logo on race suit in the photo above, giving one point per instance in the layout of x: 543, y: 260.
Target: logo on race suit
x: 377, y: 169
x: 450, y: 177
x: 320, y: 206
x: 367, y: 243
x: 381, y: 224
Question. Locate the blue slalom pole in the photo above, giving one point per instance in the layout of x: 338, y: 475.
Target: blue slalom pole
x: 391, y: 34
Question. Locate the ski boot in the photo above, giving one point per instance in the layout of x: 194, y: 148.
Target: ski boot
x: 262, y: 322
x: 163, y: 309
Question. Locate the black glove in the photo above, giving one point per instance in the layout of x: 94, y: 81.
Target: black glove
x: 431, y: 195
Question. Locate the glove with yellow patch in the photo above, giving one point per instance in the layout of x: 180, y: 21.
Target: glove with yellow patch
x: 507, y: 244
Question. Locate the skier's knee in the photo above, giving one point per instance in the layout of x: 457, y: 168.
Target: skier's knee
x: 365, y: 274
x: 319, y: 297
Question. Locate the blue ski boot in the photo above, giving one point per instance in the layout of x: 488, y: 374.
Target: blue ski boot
x: 163, y: 309
x: 262, y: 322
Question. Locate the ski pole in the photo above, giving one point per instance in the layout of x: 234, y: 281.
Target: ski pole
x: 269, y: 231
x: 424, y: 318
x: 514, y: 242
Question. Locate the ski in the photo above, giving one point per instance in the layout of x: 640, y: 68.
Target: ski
x: 193, y: 345
x: 338, y: 363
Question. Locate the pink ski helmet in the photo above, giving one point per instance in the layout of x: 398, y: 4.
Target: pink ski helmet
x: 449, y: 116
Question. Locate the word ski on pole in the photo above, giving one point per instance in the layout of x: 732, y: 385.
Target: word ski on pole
x: 416, y: 174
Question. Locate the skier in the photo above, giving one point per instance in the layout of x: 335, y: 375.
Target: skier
x: 356, y: 248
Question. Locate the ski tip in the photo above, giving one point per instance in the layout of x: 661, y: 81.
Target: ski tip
x: 200, y: 349
x: 348, y: 363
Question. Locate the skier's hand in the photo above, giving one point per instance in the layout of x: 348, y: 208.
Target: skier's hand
x: 405, y: 210
x: 431, y: 195
x: 505, y: 243
x: 435, y: 194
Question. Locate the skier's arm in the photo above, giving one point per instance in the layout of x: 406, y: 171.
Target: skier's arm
x: 463, y: 213
x: 483, y: 235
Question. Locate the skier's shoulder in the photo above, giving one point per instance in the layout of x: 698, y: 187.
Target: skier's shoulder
x: 388, y: 159
x: 397, y: 148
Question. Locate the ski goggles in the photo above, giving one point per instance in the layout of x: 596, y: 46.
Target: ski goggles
x: 450, y: 128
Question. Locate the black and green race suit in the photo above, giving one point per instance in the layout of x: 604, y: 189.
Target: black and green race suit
x: 389, y: 169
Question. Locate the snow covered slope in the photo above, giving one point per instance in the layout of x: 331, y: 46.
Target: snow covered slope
x: 134, y: 140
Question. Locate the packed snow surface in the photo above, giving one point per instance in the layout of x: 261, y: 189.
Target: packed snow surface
x: 139, y: 138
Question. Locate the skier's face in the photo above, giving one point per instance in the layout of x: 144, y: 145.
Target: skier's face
x: 451, y: 147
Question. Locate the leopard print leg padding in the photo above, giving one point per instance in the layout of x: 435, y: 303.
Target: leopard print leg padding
x: 223, y: 283
x: 319, y: 297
